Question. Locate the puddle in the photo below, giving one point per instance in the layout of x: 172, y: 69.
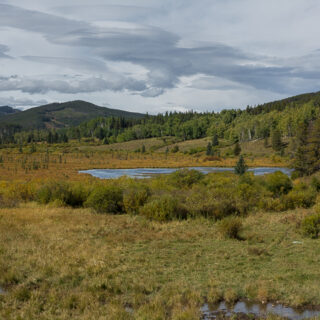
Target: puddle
x: 249, y: 310
x: 2, y: 291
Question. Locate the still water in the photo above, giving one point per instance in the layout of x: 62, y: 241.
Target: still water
x: 142, y: 173
x: 255, y: 310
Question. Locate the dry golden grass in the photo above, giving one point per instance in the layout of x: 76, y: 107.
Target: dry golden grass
x: 65, y: 165
x: 189, y: 144
x: 73, y: 264
x: 130, y: 146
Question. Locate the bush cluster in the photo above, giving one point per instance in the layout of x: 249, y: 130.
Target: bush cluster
x: 230, y: 227
x: 311, y: 226
x: 164, y: 208
x: 105, y: 199
x: 180, y: 195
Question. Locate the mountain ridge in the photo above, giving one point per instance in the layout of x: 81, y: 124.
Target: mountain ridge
x: 6, y: 110
x: 61, y: 115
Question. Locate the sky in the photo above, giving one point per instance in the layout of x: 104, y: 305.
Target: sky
x: 156, y: 56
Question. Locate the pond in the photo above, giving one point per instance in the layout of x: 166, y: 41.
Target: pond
x: 142, y: 173
x: 249, y: 310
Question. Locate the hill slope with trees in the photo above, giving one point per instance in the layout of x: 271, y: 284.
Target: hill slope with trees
x: 61, y: 115
x: 6, y: 110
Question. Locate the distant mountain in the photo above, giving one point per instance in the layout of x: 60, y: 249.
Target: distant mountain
x: 61, y: 115
x: 6, y: 110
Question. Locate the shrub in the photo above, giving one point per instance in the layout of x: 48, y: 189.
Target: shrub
x: 247, y: 197
x: 12, y: 193
x: 295, y: 175
x: 299, y: 198
x: 315, y: 183
x: 134, y: 198
x: 105, y: 199
x: 311, y: 226
x: 175, y: 149
x: 185, y: 178
x: 211, y: 203
x: 230, y: 227
x: 63, y: 193
x: 20, y: 191
x: 53, y: 191
x: 78, y: 195
x: 163, y: 208
x: 278, y: 183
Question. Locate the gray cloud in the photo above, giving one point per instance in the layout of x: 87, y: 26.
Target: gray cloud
x: 105, y: 12
x: 12, y: 16
x: 69, y: 86
x: 90, y: 65
x: 93, y: 43
x: 3, y: 50
x: 17, y: 102
x: 152, y: 92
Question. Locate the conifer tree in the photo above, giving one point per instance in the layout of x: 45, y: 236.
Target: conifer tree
x: 215, y: 140
x: 276, y: 140
x: 237, y: 149
x: 241, y: 166
x: 209, y: 151
x: 313, y: 147
x: 300, y: 161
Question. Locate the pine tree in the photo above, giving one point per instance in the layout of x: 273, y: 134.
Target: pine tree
x: 33, y: 148
x: 143, y: 149
x: 265, y: 142
x: 307, y: 157
x: 300, y: 161
x: 313, y: 147
x: 237, y: 149
x: 241, y: 166
x: 276, y: 140
x: 215, y: 140
x: 209, y: 151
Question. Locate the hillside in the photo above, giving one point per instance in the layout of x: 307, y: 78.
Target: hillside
x: 283, y: 116
x: 61, y: 115
x: 6, y: 110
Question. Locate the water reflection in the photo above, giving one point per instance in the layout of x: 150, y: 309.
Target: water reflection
x: 259, y: 310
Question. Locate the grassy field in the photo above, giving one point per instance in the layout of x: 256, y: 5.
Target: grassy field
x: 65, y: 160
x: 59, y: 263
x: 70, y: 263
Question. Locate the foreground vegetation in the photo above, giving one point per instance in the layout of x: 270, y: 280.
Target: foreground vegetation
x: 73, y: 264
x: 156, y: 248
x: 181, y: 195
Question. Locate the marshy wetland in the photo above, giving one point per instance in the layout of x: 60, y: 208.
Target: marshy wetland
x: 158, y: 248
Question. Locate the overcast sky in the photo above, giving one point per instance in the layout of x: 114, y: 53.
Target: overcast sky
x: 146, y: 55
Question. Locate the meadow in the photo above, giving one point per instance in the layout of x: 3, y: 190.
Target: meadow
x: 76, y: 247
x: 63, y: 161
x: 73, y: 264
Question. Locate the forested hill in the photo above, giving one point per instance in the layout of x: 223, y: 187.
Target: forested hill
x: 280, y: 105
x: 61, y: 115
x: 6, y: 110
x: 285, y: 116
x: 78, y: 119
